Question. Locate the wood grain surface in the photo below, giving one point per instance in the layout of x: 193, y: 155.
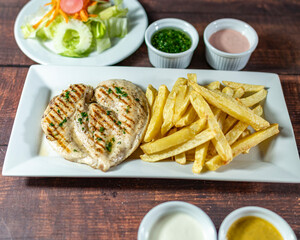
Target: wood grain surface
x: 86, y: 208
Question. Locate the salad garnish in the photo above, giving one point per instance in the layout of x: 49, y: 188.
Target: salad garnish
x: 78, y: 27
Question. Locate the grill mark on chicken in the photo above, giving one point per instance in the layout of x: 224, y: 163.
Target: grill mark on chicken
x: 57, y: 120
x: 74, y: 98
x: 112, y: 92
x: 97, y: 130
x: 56, y: 113
x: 108, y: 117
x: 76, y: 90
x: 107, y: 95
x: 60, y: 109
x: 127, y: 124
x: 59, y: 137
x: 100, y: 146
x: 128, y: 118
x: 63, y: 104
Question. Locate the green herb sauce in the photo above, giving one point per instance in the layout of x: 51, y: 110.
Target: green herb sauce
x: 171, y: 41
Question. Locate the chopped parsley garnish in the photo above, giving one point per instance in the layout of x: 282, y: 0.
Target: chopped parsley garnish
x: 108, y: 146
x: 109, y: 91
x: 127, y: 109
x: 67, y: 96
x: 101, y: 129
x: 65, y: 120
x: 119, y: 142
x: 52, y: 124
x: 119, y: 123
x: 108, y: 112
x: 113, y: 139
x: 75, y: 150
x: 124, y: 132
x: 137, y: 99
x: 119, y: 91
x: 99, y: 139
x: 84, y: 114
x: 58, y: 110
x: 80, y: 120
x: 82, y: 128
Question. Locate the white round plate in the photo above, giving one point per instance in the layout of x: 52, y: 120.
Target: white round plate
x: 121, y: 47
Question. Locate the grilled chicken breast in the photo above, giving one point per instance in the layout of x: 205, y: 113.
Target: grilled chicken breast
x: 112, y: 128
x: 99, y: 128
x: 57, y: 121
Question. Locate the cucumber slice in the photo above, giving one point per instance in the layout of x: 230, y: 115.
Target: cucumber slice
x: 73, y: 36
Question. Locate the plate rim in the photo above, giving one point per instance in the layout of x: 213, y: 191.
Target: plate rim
x: 35, y: 68
x: 21, y: 42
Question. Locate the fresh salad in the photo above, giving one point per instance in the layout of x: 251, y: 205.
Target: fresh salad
x: 78, y: 27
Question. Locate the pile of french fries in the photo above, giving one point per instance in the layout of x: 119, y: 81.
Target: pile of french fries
x: 208, y: 125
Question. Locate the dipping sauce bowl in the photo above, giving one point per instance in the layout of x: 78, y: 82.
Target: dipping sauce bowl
x: 162, y: 59
x: 279, y: 224
x: 171, y: 220
x: 222, y: 60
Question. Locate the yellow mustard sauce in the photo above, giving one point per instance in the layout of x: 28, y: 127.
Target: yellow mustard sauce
x: 253, y: 228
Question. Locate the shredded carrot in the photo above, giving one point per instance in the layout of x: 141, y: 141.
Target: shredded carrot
x: 75, y: 16
x: 81, y: 15
x: 93, y: 3
x: 64, y: 15
x: 35, y: 26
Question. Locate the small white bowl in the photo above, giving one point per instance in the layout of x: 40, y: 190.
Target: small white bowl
x: 171, y: 60
x: 229, y: 61
x: 278, y: 222
x: 161, y: 210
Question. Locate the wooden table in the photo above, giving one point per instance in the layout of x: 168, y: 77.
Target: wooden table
x: 71, y: 208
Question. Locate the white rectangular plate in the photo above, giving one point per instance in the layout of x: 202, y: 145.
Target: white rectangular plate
x: 28, y: 153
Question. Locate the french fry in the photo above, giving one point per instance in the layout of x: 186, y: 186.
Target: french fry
x: 157, y: 117
x: 243, y: 145
x: 240, y: 127
x: 174, y: 139
x: 229, y: 122
x: 180, y: 158
x: 220, y: 142
x: 199, y: 139
x: 254, y: 139
x: 222, y: 116
x: 173, y: 130
x: 190, y: 155
x: 254, y: 98
x: 214, y: 85
x: 192, y: 77
x: 239, y: 92
x: 168, y: 113
x: 249, y: 102
x: 232, y: 107
x: 222, y: 111
x: 169, y: 108
x: 182, y: 104
x: 228, y: 91
x: 245, y: 134
x: 151, y: 94
x: 200, y: 155
x: 189, y: 116
x: 245, y: 86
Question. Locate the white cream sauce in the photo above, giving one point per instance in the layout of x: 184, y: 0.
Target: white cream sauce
x: 177, y: 226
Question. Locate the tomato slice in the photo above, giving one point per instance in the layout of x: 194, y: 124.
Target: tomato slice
x: 71, y: 6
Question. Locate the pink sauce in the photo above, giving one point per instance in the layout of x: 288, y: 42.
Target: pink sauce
x: 230, y: 41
